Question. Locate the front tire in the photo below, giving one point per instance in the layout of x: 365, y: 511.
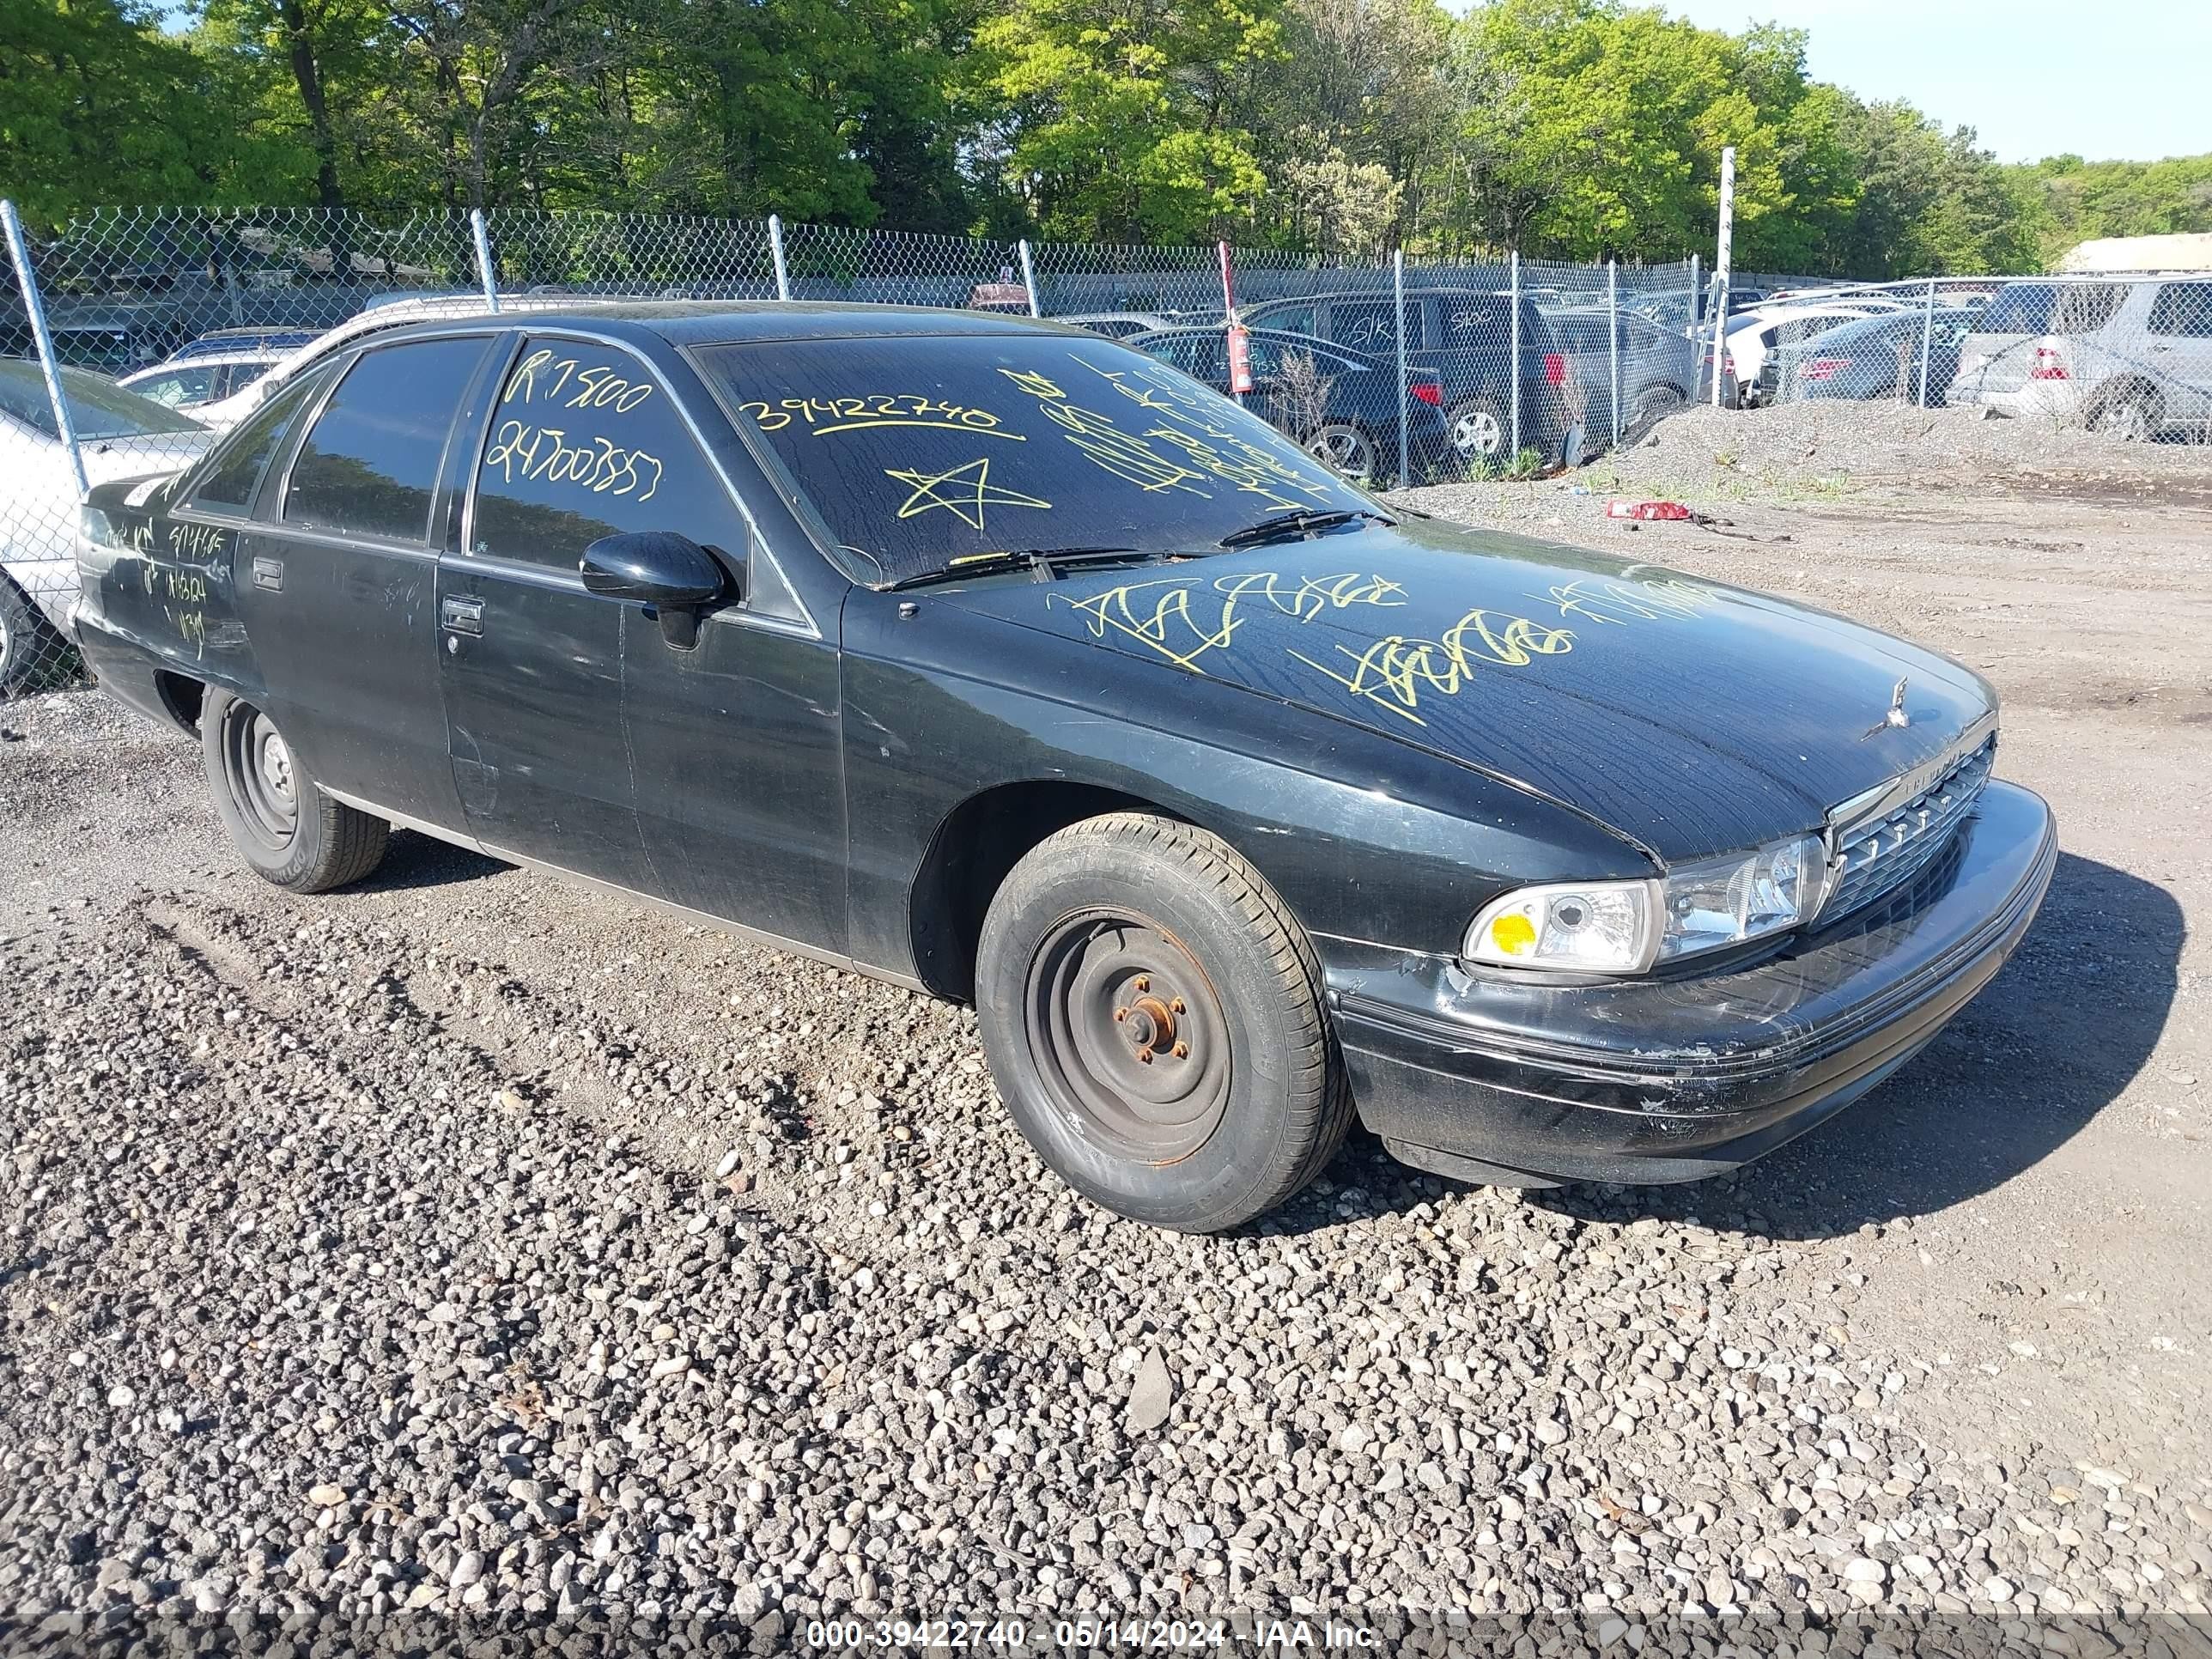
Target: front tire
x: 1152, y: 1014
x: 29, y: 647
x: 291, y: 832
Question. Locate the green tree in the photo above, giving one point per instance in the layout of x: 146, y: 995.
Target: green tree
x: 1121, y: 111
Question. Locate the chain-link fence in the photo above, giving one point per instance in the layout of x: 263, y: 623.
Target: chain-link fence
x: 164, y: 329
x: 2126, y: 356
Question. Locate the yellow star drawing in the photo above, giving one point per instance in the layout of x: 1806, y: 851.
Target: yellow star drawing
x: 972, y: 491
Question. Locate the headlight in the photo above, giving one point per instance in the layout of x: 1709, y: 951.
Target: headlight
x: 1627, y: 926
x: 92, y: 524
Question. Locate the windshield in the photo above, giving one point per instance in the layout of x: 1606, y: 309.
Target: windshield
x: 918, y: 451
x: 98, y: 408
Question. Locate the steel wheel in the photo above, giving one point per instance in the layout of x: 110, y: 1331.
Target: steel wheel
x: 258, y: 766
x: 1344, y: 447
x: 1129, y: 1037
x: 1476, y: 430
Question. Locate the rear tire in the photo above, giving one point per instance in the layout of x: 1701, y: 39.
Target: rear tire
x: 2133, y: 415
x: 291, y: 832
x: 1346, y: 448
x: 1153, y: 1017
x: 1477, y: 429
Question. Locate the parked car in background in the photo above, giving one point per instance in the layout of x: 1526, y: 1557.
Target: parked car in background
x: 1465, y: 338
x: 2130, y: 358
x: 1757, y: 332
x: 1119, y: 324
x: 1661, y: 369
x: 387, y: 311
x: 120, y: 435
x: 1001, y: 662
x: 1872, y: 357
x: 1339, y: 405
x: 190, y: 382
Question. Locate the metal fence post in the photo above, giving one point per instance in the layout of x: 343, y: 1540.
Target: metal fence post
x: 1697, y: 296
x: 776, y: 253
x: 1612, y: 338
x: 1723, y: 257
x: 35, y: 309
x: 1515, y: 292
x: 1927, y: 329
x: 1404, y: 410
x: 1029, y: 276
x: 483, y: 257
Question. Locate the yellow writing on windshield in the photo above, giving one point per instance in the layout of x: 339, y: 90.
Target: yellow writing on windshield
x: 1393, y: 673
x: 963, y: 491
x: 825, y: 416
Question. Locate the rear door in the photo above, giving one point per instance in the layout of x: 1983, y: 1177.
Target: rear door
x: 336, y: 584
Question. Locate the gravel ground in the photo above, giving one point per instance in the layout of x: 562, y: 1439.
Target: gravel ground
x: 467, y: 1245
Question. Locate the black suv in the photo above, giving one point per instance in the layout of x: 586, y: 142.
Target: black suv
x: 1465, y: 336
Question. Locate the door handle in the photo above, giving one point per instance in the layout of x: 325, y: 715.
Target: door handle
x: 461, y: 615
x: 269, y: 574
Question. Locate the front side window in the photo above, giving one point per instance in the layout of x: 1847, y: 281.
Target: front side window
x: 226, y: 480
x: 917, y: 452
x: 369, y: 464
x: 583, y: 443
x: 1296, y: 318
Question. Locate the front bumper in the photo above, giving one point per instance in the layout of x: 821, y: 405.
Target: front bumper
x: 1488, y: 1078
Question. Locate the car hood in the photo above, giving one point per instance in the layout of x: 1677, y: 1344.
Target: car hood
x: 138, y: 458
x: 1688, y: 716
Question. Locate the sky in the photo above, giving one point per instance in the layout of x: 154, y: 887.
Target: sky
x: 2108, y: 80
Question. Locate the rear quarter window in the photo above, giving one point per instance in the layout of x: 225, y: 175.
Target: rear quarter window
x: 226, y: 481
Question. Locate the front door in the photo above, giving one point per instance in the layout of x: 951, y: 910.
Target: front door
x: 336, y: 584
x: 531, y: 663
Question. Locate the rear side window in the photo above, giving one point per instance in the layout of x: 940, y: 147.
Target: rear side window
x: 585, y: 443
x: 2021, y: 308
x: 1372, y: 326
x: 2182, y: 308
x: 1474, y: 319
x: 233, y: 469
x: 369, y: 463
x: 2085, y: 308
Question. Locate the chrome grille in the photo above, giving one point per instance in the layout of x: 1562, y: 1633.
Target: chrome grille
x: 1880, y: 855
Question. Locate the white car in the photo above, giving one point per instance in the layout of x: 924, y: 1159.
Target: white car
x: 120, y: 435
x: 227, y: 412
x: 2130, y: 358
x: 1755, y: 333
x: 194, y: 381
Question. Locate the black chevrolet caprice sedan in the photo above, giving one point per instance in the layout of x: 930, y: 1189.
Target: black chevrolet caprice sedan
x: 996, y: 659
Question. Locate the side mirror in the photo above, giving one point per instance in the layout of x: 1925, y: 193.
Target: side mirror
x: 672, y: 573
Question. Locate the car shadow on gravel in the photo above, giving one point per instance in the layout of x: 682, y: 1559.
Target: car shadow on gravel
x: 416, y: 860
x: 2021, y: 1070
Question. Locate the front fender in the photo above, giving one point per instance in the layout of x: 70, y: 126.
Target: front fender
x: 1366, y: 839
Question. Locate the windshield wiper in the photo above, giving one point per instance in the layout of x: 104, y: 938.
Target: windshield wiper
x: 1047, y: 561
x: 1300, y: 522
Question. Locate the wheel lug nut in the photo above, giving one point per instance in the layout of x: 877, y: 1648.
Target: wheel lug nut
x: 1144, y: 1056
x: 1143, y: 981
x: 1121, y: 1013
x: 1181, y: 1051
x: 1175, y: 1005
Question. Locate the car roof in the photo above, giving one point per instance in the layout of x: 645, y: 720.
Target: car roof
x: 208, y: 360
x: 726, y: 322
